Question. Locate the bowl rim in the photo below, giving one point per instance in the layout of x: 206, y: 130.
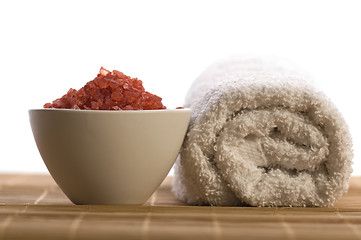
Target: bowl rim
x: 109, y: 111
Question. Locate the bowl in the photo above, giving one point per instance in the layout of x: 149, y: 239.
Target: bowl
x: 109, y: 157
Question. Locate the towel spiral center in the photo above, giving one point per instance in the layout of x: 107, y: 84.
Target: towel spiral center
x: 272, y: 138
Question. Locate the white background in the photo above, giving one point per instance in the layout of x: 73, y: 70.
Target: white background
x: 47, y: 47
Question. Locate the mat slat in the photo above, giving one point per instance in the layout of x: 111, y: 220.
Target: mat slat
x: 33, y: 207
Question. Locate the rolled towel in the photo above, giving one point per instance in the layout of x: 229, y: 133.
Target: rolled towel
x: 261, y: 135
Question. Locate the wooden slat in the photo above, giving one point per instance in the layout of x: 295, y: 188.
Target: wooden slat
x: 33, y: 207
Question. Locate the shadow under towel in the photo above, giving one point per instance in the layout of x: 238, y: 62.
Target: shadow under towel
x: 261, y: 135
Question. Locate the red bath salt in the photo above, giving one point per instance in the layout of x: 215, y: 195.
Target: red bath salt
x: 109, y: 91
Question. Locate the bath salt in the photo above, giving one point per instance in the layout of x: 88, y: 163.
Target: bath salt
x: 109, y: 91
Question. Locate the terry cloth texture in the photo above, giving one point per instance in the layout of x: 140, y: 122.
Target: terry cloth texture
x: 261, y: 135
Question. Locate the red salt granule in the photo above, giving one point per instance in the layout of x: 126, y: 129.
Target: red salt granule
x: 109, y: 91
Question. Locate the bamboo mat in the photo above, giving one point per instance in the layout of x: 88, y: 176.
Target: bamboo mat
x: 33, y: 207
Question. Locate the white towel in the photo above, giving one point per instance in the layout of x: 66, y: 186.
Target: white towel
x: 261, y: 135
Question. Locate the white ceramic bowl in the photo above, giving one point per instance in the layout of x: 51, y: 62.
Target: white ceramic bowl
x: 109, y: 157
